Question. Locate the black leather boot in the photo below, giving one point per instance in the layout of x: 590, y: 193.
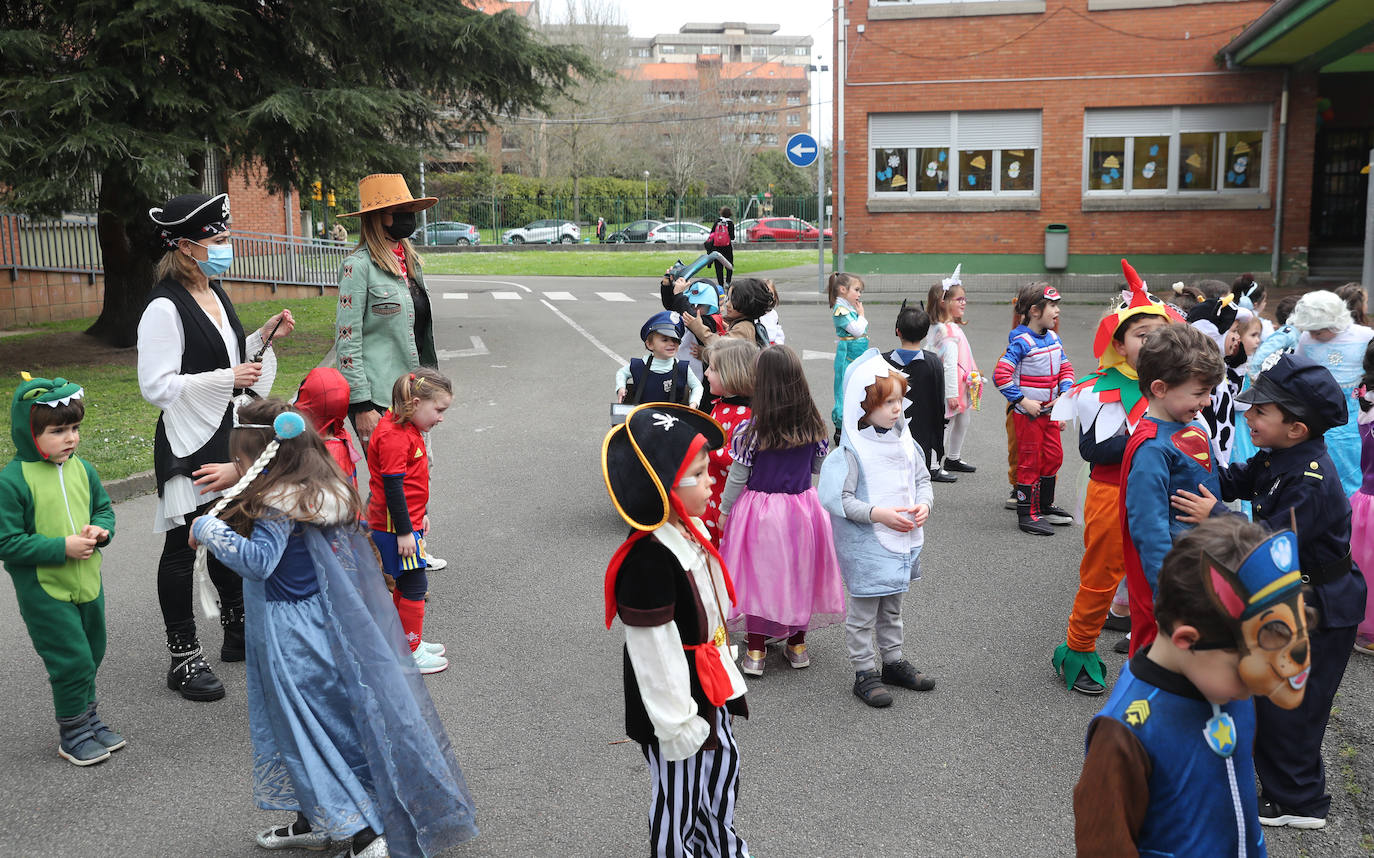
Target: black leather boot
x: 190, y: 675
x: 1048, y: 511
x: 1027, y: 511
x: 232, y: 620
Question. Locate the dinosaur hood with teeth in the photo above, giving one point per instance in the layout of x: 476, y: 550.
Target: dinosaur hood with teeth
x: 36, y: 393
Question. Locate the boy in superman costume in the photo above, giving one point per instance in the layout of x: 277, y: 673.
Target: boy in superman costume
x: 1107, y: 405
x: 1170, y: 449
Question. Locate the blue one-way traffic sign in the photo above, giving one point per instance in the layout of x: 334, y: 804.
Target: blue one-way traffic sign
x: 802, y: 150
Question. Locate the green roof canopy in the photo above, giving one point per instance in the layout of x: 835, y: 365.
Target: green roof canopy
x: 1308, y: 35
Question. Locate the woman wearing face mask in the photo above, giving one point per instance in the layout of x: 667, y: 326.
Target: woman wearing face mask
x: 384, y: 323
x: 193, y: 359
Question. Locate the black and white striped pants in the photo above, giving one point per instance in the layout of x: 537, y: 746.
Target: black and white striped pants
x: 692, y: 812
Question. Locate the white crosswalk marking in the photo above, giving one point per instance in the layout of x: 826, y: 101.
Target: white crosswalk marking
x: 455, y: 295
x: 560, y: 296
x: 506, y: 296
x: 615, y: 296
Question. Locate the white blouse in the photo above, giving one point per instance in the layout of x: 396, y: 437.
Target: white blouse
x: 660, y: 662
x: 192, y: 404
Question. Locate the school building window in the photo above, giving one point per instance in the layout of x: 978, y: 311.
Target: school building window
x: 793, y: 100
x: 793, y: 119
x: 1185, y: 152
x: 968, y: 155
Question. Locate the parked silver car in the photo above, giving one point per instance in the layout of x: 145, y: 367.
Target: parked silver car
x: 544, y: 232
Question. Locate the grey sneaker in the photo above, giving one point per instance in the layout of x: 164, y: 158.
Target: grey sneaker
x: 752, y: 663
x: 77, y: 744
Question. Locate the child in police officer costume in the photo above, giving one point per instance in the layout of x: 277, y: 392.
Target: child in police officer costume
x: 1168, y: 768
x: 672, y: 592
x: 659, y: 376
x: 1292, y: 403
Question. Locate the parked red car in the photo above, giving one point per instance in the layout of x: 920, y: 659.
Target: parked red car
x: 782, y: 229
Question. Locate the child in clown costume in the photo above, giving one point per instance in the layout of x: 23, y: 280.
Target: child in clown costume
x: 1107, y: 405
x: 54, y: 515
x: 851, y: 333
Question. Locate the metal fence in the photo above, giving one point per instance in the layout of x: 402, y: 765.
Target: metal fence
x: 494, y: 215
x: 71, y: 244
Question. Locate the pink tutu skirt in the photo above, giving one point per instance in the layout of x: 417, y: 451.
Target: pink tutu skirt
x: 781, y: 554
x: 1362, y: 550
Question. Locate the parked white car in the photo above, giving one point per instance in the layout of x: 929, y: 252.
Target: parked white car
x: 678, y: 233
x: 544, y: 232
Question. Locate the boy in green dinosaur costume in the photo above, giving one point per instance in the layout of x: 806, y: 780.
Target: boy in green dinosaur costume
x: 54, y: 514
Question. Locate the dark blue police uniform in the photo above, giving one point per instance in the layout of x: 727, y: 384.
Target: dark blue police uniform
x: 1301, y: 483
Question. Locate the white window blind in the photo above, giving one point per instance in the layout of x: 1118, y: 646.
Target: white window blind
x: 998, y: 129
x: 1128, y: 121
x: 1228, y: 117
x: 893, y: 130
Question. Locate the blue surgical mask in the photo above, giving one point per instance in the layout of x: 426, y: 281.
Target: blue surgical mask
x: 221, y: 256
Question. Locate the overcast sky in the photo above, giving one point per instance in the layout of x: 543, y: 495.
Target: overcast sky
x: 795, y: 17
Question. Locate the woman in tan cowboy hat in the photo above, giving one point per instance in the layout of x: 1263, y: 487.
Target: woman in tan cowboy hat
x: 384, y: 320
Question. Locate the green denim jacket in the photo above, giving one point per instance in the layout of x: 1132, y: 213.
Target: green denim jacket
x: 375, y: 336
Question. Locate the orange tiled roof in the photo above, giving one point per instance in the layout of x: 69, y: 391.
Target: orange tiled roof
x: 491, y: 7
x: 728, y: 71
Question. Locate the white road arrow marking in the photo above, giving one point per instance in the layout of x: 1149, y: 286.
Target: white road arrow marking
x: 809, y: 354
x: 478, y: 349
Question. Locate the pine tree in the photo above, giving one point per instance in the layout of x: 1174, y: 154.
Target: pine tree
x: 127, y: 97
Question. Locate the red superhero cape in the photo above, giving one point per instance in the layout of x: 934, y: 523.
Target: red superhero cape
x: 1143, y: 628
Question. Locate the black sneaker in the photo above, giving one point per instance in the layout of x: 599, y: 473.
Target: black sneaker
x: 959, y: 466
x: 1271, y: 814
x: 902, y: 673
x: 869, y: 688
x: 1122, y: 646
x: 1085, y: 684
x: 1117, y: 623
x: 1057, y: 515
x: 940, y: 475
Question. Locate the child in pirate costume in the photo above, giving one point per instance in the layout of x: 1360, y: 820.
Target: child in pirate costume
x: 659, y: 376
x: 924, y: 408
x: 671, y: 590
x: 1107, y: 406
x: 54, y: 514
x: 1168, y: 768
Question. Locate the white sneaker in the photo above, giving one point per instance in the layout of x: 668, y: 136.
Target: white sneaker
x: 427, y: 662
x: 436, y: 564
x: 431, y: 648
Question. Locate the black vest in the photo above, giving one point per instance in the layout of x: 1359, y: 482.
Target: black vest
x: 925, y: 402
x: 204, y: 352
x: 649, y: 386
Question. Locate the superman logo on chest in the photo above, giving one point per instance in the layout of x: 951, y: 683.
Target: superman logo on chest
x: 1194, y: 443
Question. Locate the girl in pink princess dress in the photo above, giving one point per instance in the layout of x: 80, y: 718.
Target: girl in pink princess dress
x: 775, y: 536
x: 729, y: 373
x: 1362, y: 501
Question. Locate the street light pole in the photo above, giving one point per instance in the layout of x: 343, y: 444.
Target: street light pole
x: 646, y: 194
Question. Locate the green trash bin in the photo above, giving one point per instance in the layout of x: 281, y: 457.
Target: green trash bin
x: 1056, y: 247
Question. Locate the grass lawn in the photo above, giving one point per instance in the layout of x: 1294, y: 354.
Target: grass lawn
x: 117, y: 435
x: 595, y: 263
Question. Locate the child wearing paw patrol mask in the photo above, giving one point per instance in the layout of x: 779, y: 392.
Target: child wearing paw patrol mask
x: 1169, y: 767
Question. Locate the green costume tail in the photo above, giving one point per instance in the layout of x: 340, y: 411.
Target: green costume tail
x: 1069, y: 662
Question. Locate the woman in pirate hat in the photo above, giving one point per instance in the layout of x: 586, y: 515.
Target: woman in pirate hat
x: 672, y: 592
x: 194, y: 359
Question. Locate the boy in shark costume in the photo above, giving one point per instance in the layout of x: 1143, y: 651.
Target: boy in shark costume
x: 876, y: 486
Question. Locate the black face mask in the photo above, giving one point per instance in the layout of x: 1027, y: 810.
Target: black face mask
x: 402, y: 225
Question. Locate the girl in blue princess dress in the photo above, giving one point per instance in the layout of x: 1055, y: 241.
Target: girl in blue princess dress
x: 344, y: 732
x: 1336, y: 340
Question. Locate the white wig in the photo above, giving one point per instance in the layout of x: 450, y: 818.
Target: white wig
x: 1320, y: 311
